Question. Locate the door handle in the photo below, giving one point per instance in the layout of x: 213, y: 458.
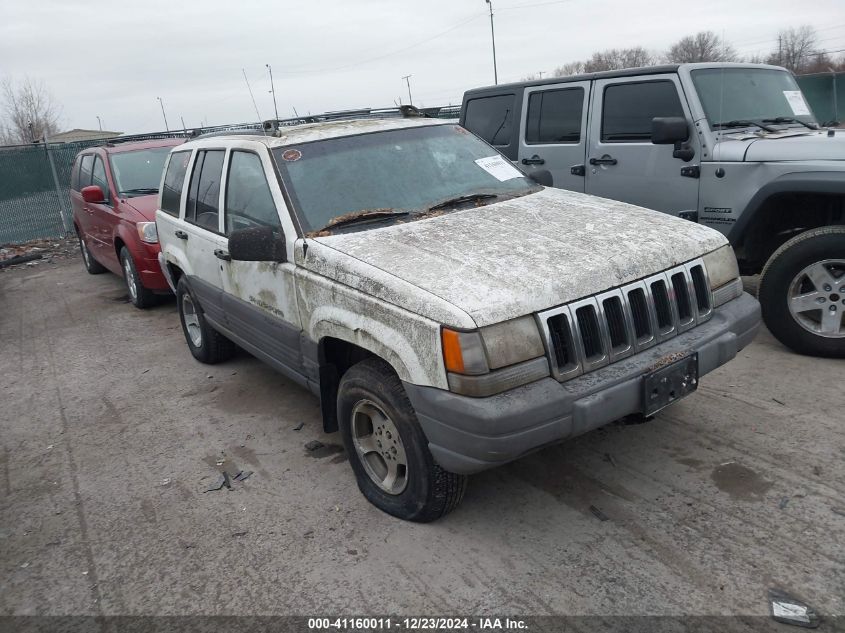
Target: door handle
x: 577, y: 170
x: 181, y: 235
x: 604, y: 160
x: 221, y: 254
x: 534, y: 160
x: 88, y: 210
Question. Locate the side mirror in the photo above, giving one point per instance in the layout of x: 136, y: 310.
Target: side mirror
x: 93, y: 194
x: 258, y: 244
x: 541, y: 177
x: 669, y: 130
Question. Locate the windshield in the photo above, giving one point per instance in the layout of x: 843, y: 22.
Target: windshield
x: 750, y: 94
x: 403, y: 171
x: 138, y: 173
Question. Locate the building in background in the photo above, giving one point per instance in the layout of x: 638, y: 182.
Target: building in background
x: 75, y: 135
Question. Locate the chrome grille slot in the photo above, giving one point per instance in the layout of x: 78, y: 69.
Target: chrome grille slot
x: 590, y: 333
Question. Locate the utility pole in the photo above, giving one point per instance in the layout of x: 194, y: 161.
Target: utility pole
x: 541, y: 73
x: 273, y: 90
x: 493, y: 39
x: 100, y: 123
x: 407, y: 79
x: 161, y: 103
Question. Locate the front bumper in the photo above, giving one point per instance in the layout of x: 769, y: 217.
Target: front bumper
x: 468, y: 435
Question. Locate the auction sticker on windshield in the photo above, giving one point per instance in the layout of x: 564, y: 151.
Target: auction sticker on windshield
x: 499, y: 168
x: 796, y: 102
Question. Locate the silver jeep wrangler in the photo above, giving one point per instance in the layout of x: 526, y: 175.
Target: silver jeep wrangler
x: 733, y: 146
x: 450, y: 313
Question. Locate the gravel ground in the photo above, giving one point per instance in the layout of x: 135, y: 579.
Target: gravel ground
x: 111, y: 432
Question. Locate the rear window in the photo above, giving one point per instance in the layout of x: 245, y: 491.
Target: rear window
x: 629, y: 108
x: 203, y: 206
x: 491, y: 118
x: 554, y: 116
x: 171, y: 194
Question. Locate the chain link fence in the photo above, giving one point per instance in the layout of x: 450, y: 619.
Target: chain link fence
x: 35, y: 180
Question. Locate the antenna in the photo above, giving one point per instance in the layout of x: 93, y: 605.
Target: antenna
x: 248, y: 87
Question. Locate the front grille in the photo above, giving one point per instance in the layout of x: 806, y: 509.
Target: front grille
x: 593, y: 332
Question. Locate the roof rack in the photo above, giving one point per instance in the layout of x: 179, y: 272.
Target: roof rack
x: 403, y: 111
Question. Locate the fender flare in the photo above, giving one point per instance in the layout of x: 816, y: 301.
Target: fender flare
x: 798, y: 182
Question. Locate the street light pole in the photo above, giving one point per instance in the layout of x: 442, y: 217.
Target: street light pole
x: 273, y: 90
x: 100, y: 123
x: 493, y: 39
x: 407, y: 79
x: 161, y: 103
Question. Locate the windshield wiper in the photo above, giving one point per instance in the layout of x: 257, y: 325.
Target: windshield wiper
x: 141, y: 190
x: 472, y: 197
x: 789, y: 119
x: 744, y: 123
x: 361, y: 216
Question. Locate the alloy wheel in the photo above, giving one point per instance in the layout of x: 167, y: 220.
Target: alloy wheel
x: 191, y: 319
x: 379, y: 447
x: 816, y: 298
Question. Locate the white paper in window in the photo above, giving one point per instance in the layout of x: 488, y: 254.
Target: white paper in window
x: 796, y: 102
x: 498, y: 167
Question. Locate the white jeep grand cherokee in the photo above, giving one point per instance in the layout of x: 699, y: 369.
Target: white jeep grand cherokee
x: 450, y: 313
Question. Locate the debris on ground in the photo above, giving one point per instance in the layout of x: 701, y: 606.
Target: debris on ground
x: 783, y: 502
x: 37, y: 252
x: 788, y: 610
x: 839, y: 511
x: 314, y: 445
x: 779, y: 402
x: 242, y: 475
x: 299, y: 426
x: 222, y: 481
x: 601, y: 516
x: 308, y: 534
x: 238, y: 534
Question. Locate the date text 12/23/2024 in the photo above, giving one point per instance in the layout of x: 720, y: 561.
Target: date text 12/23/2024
x: 416, y: 624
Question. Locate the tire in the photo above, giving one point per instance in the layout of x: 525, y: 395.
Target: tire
x: 140, y: 297
x: 91, y: 265
x: 810, y: 265
x: 372, y: 406
x: 207, y: 345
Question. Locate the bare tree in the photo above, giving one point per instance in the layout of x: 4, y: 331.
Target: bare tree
x: 572, y: 68
x: 29, y: 111
x: 704, y: 46
x: 795, y: 48
x: 617, y: 59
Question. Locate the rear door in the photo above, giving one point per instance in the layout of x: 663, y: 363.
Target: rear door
x: 622, y: 162
x: 259, y: 298
x: 553, y: 133
x: 199, y: 229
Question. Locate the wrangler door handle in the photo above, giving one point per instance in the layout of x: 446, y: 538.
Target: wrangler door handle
x: 604, y: 160
x: 221, y: 254
x: 181, y: 235
x: 534, y: 160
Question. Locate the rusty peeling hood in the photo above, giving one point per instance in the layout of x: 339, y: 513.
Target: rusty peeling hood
x: 516, y: 257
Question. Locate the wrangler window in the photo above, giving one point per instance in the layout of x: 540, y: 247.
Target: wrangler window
x: 554, y: 116
x: 629, y: 108
x: 204, y: 193
x: 491, y: 118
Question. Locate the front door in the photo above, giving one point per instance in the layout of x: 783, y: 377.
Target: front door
x: 622, y: 162
x: 259, y: 298
x: 553, y: 132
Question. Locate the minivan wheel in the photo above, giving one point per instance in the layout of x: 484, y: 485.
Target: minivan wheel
x: 91, y: 265
x: 802, y: 292
x: 138, y: 295
x: 387, y: 448
x: 207, y: 345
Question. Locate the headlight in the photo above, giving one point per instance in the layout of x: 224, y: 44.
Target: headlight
x: 147, y: 232
x: 494, y: 358
x: 723, y: 273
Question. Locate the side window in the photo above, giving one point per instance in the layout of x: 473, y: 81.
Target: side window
x: 629, y: 108
x: 74, y: 174
x: 554, y: 116
x: 491, y: 118
x: 174, y: 177
x: 204, y: 192
x: 99, y: 178
x: 248, y: 198
x: 85, y: 170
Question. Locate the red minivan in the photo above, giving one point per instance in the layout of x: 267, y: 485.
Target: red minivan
x: 114, y: 194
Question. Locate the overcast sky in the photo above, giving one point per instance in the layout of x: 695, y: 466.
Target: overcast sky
x: 113, y: 58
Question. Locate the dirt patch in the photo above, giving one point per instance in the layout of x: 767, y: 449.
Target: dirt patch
x: 739, y: 481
